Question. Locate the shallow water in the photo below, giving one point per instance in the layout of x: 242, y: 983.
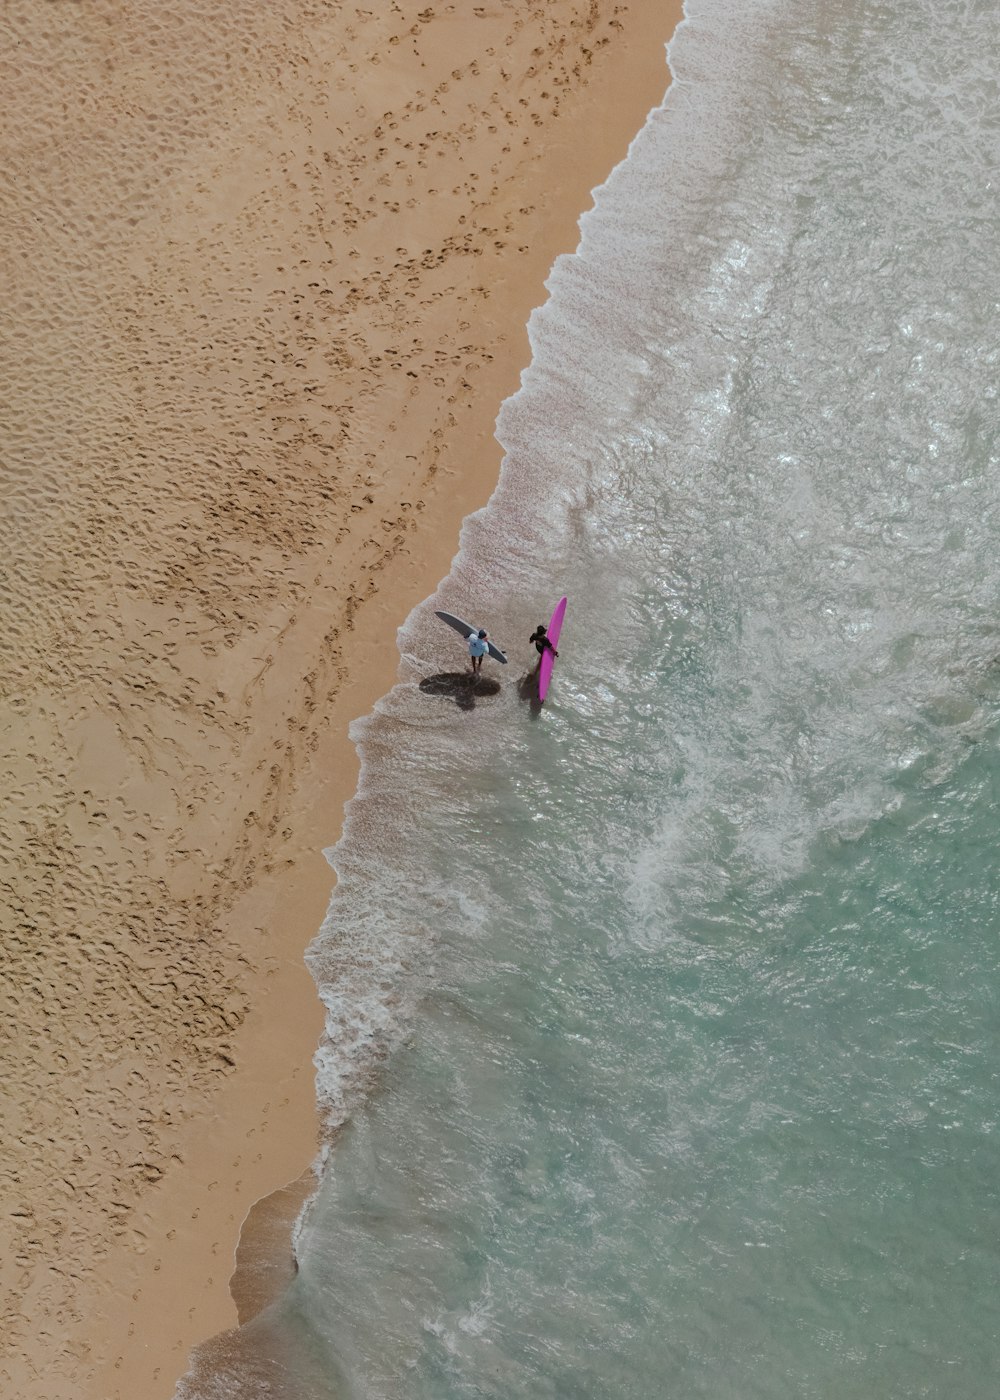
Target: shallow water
x: 679, y: 995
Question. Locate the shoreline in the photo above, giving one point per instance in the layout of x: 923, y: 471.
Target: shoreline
x: 228, y: 429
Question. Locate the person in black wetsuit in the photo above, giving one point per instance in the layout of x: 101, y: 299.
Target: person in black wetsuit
x: 541, y: 641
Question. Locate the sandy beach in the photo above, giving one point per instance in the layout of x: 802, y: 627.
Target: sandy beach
x: 268, y: 272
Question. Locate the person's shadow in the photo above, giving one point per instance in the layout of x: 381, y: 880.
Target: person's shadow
x: 461, y: 686
x: 527, y: 690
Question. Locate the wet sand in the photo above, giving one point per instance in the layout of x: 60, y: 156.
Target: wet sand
x: 269, y: 271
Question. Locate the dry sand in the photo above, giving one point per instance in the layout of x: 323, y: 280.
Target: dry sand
x: 267, y: 272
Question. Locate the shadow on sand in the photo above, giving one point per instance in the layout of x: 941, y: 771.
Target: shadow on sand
x: 461, y: 686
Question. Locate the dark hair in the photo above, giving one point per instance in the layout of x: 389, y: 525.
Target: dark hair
x: 482, y: 633
x: 540, y: 627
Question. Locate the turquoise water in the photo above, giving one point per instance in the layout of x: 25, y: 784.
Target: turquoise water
x: 664, y: 1021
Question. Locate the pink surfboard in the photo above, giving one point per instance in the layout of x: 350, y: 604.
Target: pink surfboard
x: 548, y: 660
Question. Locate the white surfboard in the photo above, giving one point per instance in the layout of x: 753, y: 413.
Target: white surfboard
x: 466, y: 629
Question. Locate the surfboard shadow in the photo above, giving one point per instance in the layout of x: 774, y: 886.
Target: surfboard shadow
x: 461, y: 686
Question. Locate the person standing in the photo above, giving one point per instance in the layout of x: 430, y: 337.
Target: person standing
x: 541, y: 640
x: 478, y: 647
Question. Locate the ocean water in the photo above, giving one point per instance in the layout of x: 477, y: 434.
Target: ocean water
x: 663, y: 1020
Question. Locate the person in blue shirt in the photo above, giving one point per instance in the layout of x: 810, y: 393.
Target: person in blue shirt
x: 478, y: 647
